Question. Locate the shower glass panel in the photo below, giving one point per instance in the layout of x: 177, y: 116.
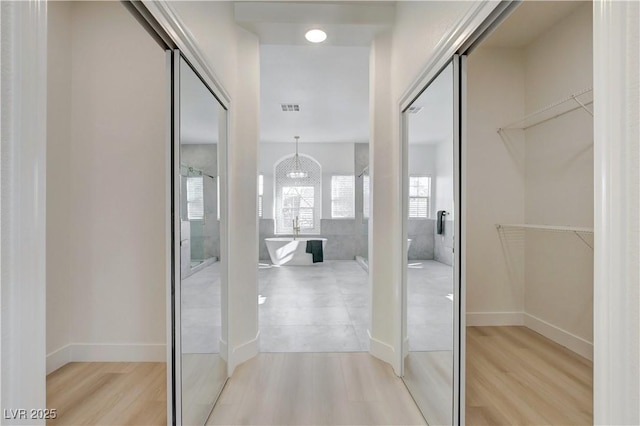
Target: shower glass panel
x: 362, y: 202
x: 202, y: 134
x: 431, y: 289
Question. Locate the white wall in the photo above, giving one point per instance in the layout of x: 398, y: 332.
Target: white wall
x: 243, y: 204
x: 559, y: 180
x: 444, y: 178
x: 384, y: 222
x: 334, y: 158
x: 419, y: 26
x: 59, y: 212
x: 422, y: 160
x: 495, y: 186
x: 397, y: 60
x: 107, y: 168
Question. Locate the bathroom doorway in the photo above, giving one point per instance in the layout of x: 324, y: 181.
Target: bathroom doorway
x: 313, y: 186
x: 313, y: 302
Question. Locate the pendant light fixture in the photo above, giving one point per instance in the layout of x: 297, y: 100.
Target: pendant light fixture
x: 297, y: 172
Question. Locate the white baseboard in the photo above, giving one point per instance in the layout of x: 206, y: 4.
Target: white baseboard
x: 383, y: 352
x: 58, y: 358
x: 363, y: 263
x: 577, y: 344
x: 224, y: 351
x: 494, y: 318
x: 108, y: 352
x: 244, y: 352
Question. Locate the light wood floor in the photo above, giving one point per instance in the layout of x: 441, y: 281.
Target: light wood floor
x: 517, y: 376
x: 514, y: 376
x: 319, y: 389
x: 108, y: 393
x: 429, y: 377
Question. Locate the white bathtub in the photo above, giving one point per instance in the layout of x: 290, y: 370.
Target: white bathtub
x: 287, y: 251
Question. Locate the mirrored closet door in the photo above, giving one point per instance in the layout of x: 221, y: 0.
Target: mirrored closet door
x: 432, y: 280
x: 199, y: 164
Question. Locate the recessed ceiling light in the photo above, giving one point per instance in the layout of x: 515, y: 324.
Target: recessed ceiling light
x: 316, y: 36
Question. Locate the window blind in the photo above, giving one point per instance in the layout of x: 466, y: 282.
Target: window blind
x: 419, y: 196
x: 195, y: 198
x: 342, y: 196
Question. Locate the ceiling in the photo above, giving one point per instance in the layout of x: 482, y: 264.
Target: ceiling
x: 199, y: 109
x: 331, y: 85
x: 529, y: 21
x: 330, y: 81
x: 346, y: 23
x: 434, y: 122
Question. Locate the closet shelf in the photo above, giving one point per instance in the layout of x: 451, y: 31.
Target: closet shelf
x: 548, y: 228
x: 578, y: 231
x: 577, y: 100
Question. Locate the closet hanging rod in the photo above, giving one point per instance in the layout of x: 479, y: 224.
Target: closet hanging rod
x: 547, y: 227
x: 577, y: 231
x: 579, y: 99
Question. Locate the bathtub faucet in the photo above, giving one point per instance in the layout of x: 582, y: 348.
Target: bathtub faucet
x: 296, y: 228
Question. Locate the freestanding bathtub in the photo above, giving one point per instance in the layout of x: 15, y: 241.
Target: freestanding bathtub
x: 287, y: 251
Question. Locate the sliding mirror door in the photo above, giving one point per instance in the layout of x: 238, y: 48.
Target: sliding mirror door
x: 431, y: 296
x: 199, y: 162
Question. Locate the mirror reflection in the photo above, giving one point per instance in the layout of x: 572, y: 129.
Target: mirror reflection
x: 428, y: 332
x: 201, y: 133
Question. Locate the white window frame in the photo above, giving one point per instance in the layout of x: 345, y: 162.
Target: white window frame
x: 314, y: 179
x: 428, y: 198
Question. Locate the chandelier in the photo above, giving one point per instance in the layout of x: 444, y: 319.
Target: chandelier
x: 297, y: 172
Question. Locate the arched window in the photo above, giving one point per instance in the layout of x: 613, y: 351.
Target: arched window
x: 298, y: 198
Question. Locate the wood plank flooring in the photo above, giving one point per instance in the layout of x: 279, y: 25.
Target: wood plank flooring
x: 315, y: 389
x: 429, y: 377
x: 514, y: 376
x: 517, y: 376
x: 108, y: 393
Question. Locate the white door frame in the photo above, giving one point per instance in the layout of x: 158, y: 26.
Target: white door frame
x: 616, y: 298
x: 23, y: 54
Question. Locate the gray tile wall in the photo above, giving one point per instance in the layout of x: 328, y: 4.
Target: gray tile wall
x: 342, y: 243
x: 444, y: 244
x: 346, y: 240
x: 421, y: 232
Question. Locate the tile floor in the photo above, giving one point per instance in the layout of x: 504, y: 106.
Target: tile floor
x: 320, y: 308
x: 201, y: 311
x: 325, y: 307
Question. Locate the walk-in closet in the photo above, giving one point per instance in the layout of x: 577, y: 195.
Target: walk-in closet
x: 529, y: 218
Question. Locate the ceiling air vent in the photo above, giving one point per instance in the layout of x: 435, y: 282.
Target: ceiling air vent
x: 290, y: 107
x: 414, y: 109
